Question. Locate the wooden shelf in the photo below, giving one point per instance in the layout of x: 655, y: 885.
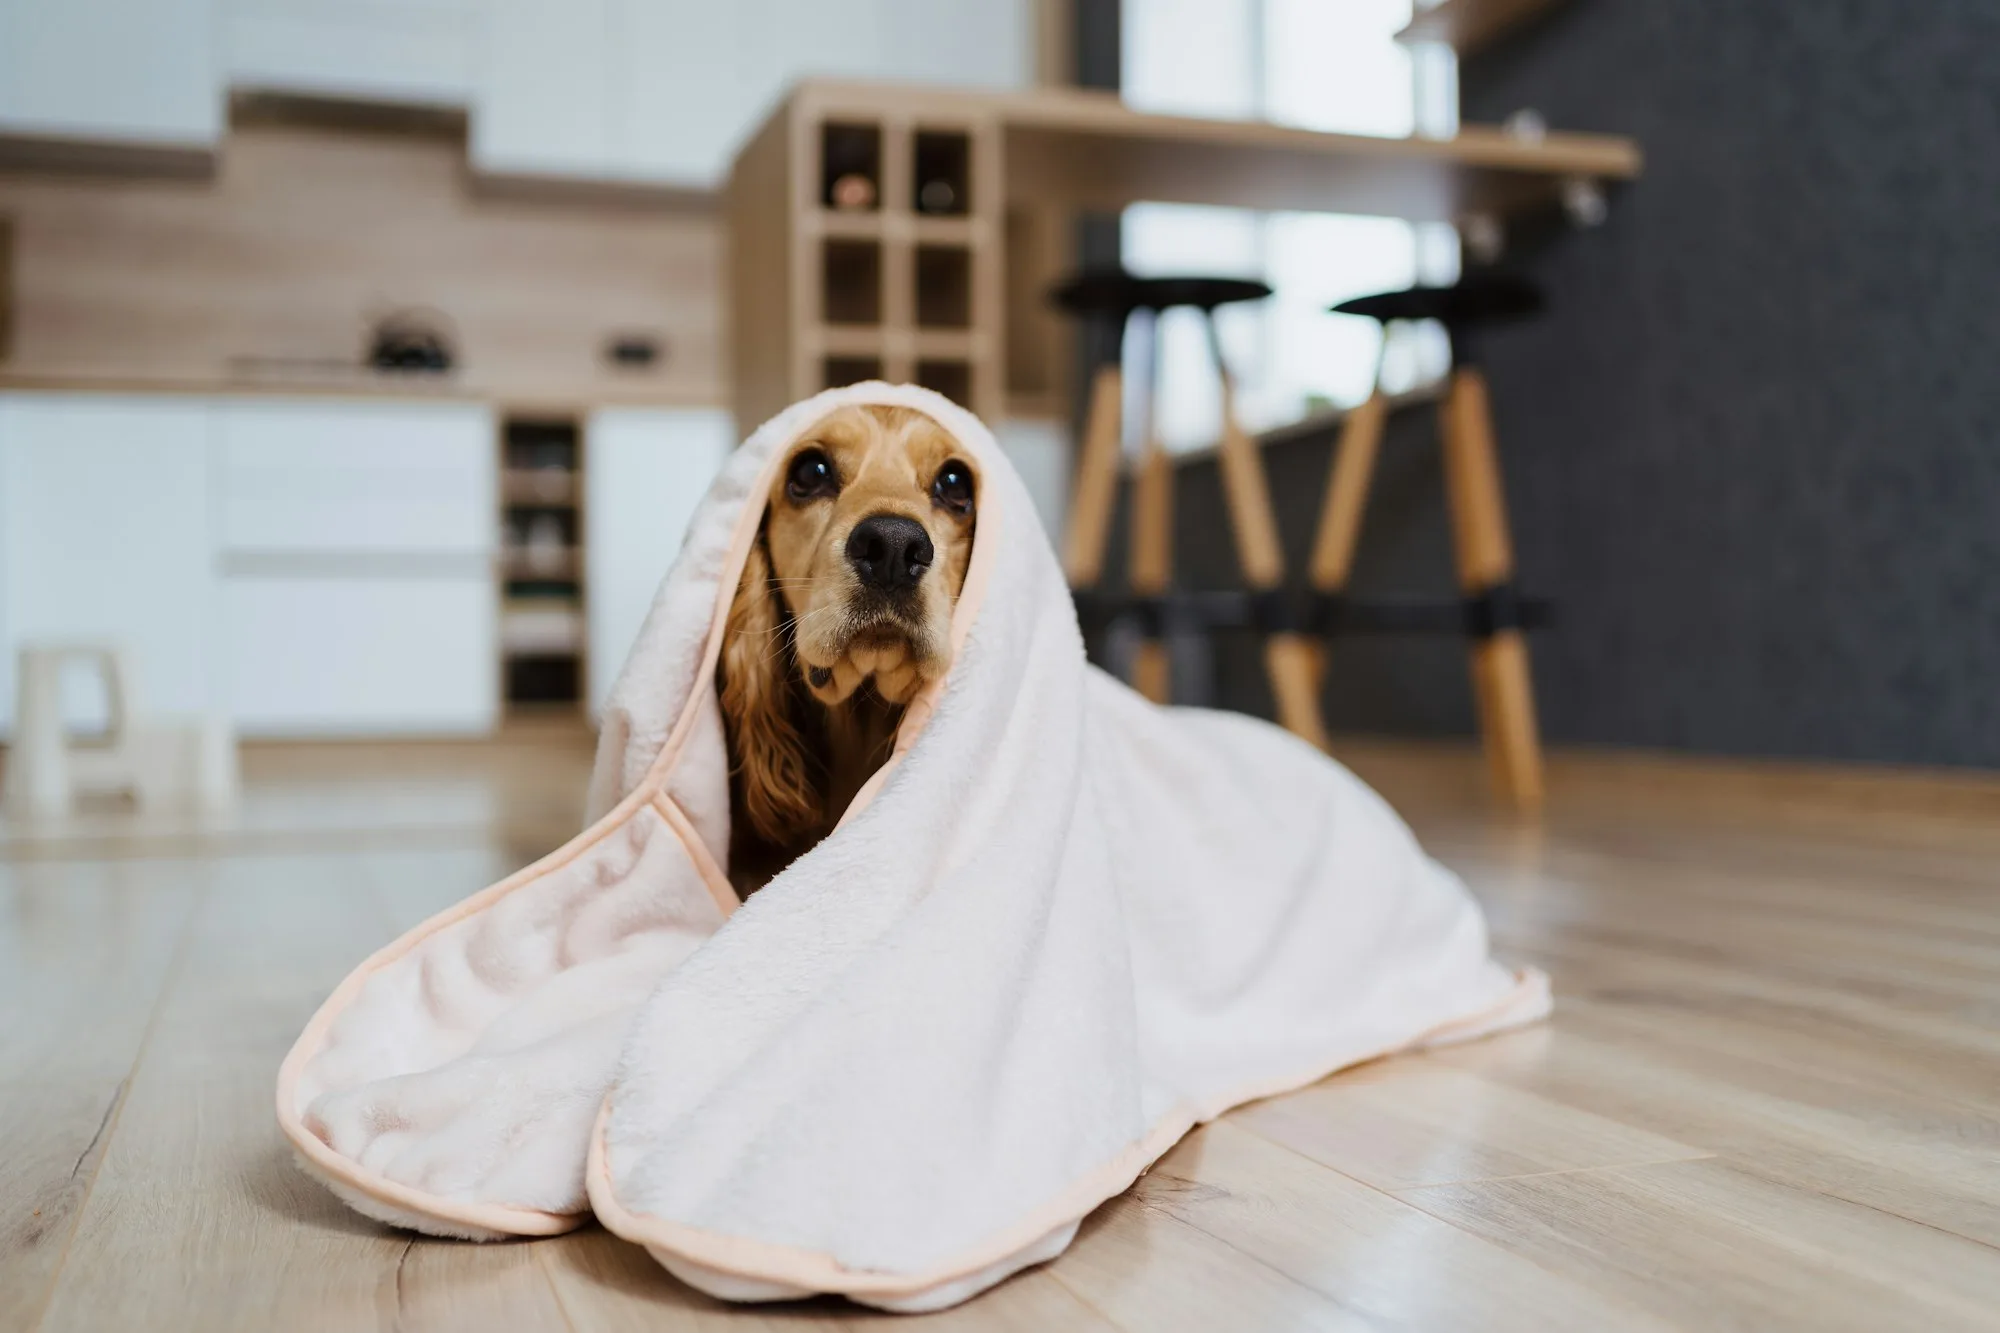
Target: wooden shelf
x: 894, y: 225
x: 845, y: 340
x: 856, y: 226
x: 948, y: 345
x: 948, y: 231
x: 517, y: 564
x: 554, y: 488
x: 541, y: 627
x: 1467, y: 25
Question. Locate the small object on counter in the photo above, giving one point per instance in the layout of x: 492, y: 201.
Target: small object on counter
x: 635, y: 351
x: 853, y: 193
x: 410, y: 341
x: 937, y: 196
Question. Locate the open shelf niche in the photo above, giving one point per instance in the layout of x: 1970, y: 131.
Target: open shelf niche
x: 542, y: 635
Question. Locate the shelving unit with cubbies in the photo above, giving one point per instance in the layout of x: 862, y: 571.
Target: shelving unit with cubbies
x: 542, y: 628
x: 865, y: 229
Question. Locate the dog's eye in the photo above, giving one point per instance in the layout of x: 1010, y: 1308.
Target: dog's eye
x: 811, y: 477
x: 953, y: 487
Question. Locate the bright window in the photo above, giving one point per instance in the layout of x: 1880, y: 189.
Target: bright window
x: 1323, y: 64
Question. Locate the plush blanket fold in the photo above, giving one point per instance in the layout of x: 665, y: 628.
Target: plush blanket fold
x: 1059, y: 928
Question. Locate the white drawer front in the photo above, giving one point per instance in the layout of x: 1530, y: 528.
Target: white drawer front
x: 327, y: 476
x: 646, y: 470
x: 362, y: 656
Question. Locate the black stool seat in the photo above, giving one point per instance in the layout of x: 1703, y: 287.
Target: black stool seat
x: 1113, y: 291
x: 1477, y: 298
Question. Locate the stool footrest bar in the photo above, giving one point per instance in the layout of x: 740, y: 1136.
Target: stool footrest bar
x: 1480, y: 615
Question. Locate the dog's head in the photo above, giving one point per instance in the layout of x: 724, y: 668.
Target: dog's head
x: 850, y: 584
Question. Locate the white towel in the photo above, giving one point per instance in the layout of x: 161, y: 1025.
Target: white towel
x: 1059, y: 928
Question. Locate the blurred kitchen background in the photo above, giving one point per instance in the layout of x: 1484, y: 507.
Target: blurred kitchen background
x: 361, y: 362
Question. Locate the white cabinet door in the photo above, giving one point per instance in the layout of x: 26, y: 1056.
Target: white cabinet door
x: 373, y: 656
x: 645, y: 470
x: 679, y: 103
x: 105, y: 536
x: 963, y: 43
x: 357, y: 543
x: 412, y: 51
x: 327, y: 476
x: 541, y: 94
x: 665, y: 91
x: 129, y: 71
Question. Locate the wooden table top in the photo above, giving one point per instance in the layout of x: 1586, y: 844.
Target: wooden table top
x: 1088, y: 149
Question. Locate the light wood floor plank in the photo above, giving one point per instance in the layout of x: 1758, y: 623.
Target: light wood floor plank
x: 200, y: 1220
x: 1401, y: 1123
x: 1708, y: 1246
x: 1366, y: 1250
x: 1910, y: 1156
x: 85, y: 951
x: 1150, y: 1272
x: 605, y: 1284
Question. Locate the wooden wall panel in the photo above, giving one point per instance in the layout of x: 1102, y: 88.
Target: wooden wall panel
x: 304, y: 236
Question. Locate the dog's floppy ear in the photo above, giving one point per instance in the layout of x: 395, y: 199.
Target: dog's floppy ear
x: 767, y: 752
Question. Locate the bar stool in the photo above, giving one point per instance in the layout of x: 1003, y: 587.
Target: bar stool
x: 1493, y: 618
x: 1113, y: 297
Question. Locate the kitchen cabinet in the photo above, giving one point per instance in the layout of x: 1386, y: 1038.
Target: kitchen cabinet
x: 541, y: 96
x: 105, y: 537
x: 679, y: 98
x: 118, y: 71
x: 356, y: 544
x: 307, y: 567
x: 663, y: 91
x: 372, y: 654
x: 657, y: 92
x: 645, y: 470
x: 329, y: 476
x: 406, y: 51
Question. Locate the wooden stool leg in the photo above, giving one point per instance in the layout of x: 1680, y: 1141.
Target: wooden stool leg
x: 1339, y: 531
x: 1500, y: 679
x: 1347, y: 495
x: 1152, y: 560
x: 1096, y: 481
x: 1288, y: 658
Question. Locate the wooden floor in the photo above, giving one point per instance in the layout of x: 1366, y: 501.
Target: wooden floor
x: 1769, y: 1097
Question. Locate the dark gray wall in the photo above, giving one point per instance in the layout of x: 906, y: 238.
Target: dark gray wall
x: 1753, y: 452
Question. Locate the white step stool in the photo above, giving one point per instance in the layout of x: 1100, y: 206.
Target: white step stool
x: 163, y: 763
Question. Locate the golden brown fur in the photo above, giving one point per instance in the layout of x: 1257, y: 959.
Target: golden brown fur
x: 820, y: 654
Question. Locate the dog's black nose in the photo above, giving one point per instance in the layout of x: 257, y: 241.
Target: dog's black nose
x: 889, y: 552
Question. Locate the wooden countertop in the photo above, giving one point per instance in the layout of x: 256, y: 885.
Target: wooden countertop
x: 1087, y: 149
x: 524, y: 396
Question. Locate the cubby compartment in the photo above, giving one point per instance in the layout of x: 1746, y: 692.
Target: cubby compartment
x: 944, y: 287
x: 544, y: 679
x: 850, y: 162
x: 943, y: 176
x: 541, y: 561
x: 851, y: 282
x: 840, y: 370
x: 953, y: 379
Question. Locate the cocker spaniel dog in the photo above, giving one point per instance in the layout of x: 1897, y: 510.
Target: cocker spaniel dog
x: 842, y: 614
